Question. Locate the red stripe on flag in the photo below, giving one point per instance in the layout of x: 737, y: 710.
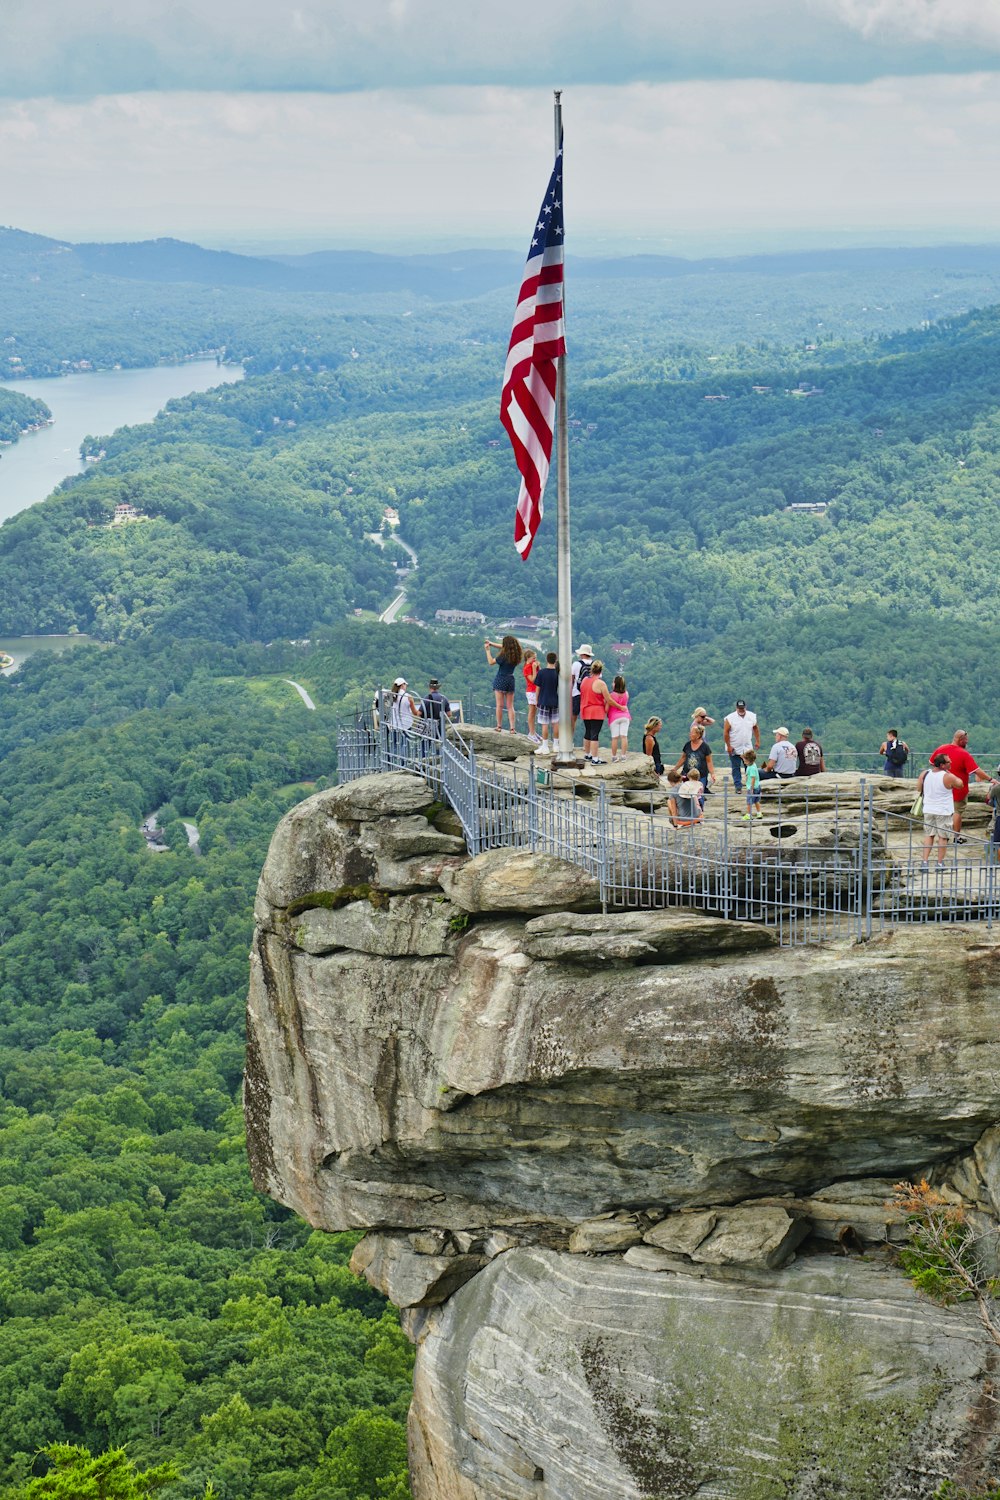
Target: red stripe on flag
x: 538, y: 339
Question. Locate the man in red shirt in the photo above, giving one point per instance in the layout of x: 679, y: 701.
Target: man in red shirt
x: 963, y: 765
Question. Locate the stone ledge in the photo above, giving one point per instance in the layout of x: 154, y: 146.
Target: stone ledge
x: 669, y: 936
x: 514, y: 880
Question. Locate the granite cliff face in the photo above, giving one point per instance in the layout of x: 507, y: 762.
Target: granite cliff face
x: 626, y: 1174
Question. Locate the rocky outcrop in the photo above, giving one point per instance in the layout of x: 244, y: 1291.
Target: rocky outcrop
x: 627, y: 1173
x: 554, y: 1375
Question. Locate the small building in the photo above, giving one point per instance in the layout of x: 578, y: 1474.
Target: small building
x: 808, y: 507
x: 622, y: 649
x: 125, y: 512
x: 390, y: 515
x: 459, y: 617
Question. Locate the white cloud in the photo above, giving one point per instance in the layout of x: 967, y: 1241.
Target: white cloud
x: 64, y: 47
x: 644, y: 160
x: 967, y: 22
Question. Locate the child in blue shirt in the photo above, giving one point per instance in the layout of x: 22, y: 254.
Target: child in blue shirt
x: 753, y: 786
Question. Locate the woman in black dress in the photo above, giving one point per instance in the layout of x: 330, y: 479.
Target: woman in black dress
x: 651, y: 745
x: 503, y: 683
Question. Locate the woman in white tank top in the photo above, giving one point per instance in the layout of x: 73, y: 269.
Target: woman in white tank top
x: 938, y: 787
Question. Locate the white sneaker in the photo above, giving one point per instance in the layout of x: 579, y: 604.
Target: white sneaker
x: 543, y: 748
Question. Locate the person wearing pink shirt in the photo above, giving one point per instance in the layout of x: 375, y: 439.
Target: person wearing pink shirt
x: 619, y: 718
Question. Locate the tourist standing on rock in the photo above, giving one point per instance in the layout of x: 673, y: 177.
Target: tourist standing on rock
x: 547, y: 687
x: 619, y: 719
x: 578, y: 673
x: 782, y: 762
x: 753, y: 786
x: 938, y: 786
x: 503, y: 683
x: 697, y: 756
x: 436, y: 708
x: 404, y: 709
x: 810, y: 755
x: 896, y: 752
x: 740, y: 734
x: 993, y: 798
x: 595, y: 701
x: 962, y: 764
x: 530, y: 672
x: 651, y: 745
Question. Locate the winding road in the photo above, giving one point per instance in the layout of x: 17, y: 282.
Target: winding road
x: 390, y: 615
x: 301, y: 692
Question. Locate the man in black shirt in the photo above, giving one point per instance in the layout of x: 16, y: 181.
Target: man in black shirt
x: 436, y: 712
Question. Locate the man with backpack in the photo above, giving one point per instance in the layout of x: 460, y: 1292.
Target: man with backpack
x: 579, y: 670
x: 896, y: 753
x: 436, y: 708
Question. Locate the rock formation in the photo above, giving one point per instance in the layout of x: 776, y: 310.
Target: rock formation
x: 628, y: 1174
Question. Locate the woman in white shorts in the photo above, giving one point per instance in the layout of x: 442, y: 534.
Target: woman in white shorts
x: 938, y: 787
x: 530, y: 670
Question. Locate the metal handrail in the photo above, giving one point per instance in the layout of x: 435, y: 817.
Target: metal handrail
x: 838, y: 879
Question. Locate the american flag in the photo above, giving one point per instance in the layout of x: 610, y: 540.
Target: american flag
x: 528, y: 398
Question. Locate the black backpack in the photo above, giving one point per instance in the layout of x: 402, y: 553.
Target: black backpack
x: 896, y: 754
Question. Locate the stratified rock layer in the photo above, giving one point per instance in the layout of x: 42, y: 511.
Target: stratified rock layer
x: 669, y: 1096
x: 551, y: 1375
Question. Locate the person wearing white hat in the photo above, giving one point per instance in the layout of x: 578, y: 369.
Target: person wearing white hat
x: 405, y: 708
x: 579, y: 670
x: 782, y: 760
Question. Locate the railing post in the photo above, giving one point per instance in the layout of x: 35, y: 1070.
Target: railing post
x: 602, y: 844
x: 726, y: 875
x: 475, y: 833
x: 870, y: 882
x: 532, y: 805
x: 991, y: 849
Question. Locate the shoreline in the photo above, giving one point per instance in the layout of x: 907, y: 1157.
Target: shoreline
x: 7, y: 380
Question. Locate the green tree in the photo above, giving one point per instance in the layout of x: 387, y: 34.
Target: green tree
x: 76, y: 1474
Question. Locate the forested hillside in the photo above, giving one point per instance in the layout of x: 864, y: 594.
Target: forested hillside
x: 259, y: 496
x: 18, y: 413
x: 148, y: 1297
x: 65, y: 306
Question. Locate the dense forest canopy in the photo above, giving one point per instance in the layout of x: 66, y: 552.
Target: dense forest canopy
x: 148, y: 1296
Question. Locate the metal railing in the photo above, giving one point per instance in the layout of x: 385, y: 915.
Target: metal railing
x: 813, y: 869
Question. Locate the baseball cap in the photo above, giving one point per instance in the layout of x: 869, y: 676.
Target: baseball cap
x: 741, y: 703
x: 433, y: 683
x: 399, y: 682
x: 781, y: 729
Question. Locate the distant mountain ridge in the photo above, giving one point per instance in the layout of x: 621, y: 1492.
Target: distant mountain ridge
x: 445, y: 277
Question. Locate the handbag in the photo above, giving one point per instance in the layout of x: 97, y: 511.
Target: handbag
x: 918, y: 805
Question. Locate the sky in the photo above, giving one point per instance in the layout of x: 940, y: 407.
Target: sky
x: 692, y: 126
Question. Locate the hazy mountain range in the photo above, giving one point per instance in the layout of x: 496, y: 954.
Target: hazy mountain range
x: 450, y: 276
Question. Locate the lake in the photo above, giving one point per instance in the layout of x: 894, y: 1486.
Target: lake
x: 20, y: 647
x: 94, y: 403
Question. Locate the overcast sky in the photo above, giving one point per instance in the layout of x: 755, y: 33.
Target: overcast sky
x: 691, y: 125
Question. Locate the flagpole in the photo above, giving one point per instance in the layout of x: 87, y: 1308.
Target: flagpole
x: 565, y: 754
